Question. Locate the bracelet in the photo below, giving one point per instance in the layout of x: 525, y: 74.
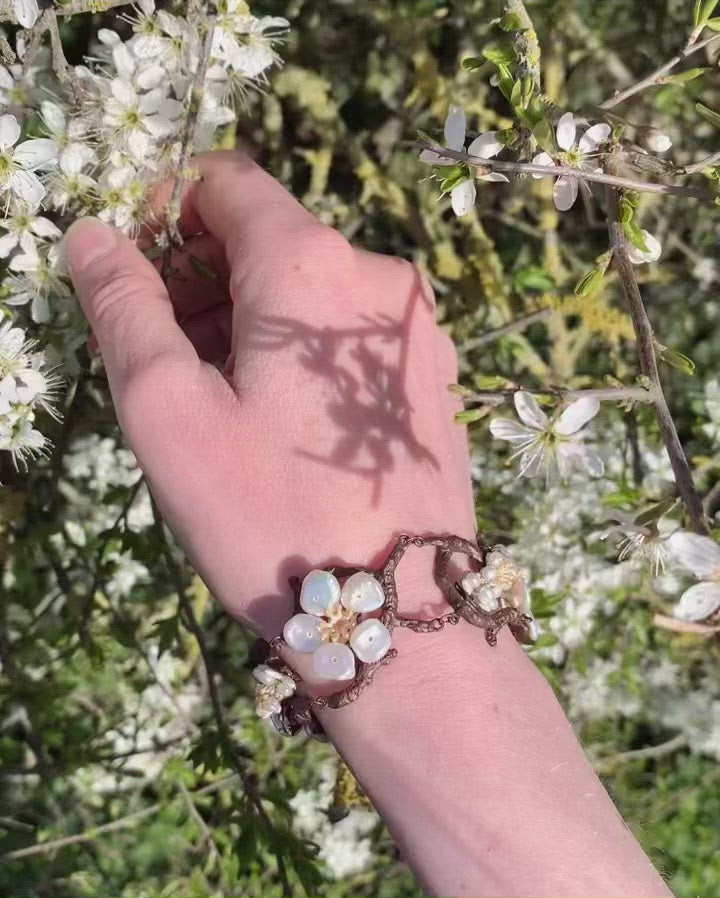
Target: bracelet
x: 347, y: 625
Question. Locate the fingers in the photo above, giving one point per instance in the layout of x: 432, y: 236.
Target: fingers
x: 240, y: 204
x: 124, y: 301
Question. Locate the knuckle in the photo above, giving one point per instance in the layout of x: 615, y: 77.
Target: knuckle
x: 112, y: 296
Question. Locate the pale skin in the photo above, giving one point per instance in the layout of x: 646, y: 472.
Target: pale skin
x: 327, y: 433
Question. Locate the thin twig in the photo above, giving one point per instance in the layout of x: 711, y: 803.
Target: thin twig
x: 91, y: 834
x: 610, y: 394
x: 648, y: 365
x: 650, y: 752
x: 656, y: 77
x: 231, y: 752
x: 195, y: 97
x: 697, y: 167
x: 519, y: 324
x: 556, y: 171
x: 711, y: 502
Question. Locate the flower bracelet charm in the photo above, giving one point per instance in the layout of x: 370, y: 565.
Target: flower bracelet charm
x: 347, y: 616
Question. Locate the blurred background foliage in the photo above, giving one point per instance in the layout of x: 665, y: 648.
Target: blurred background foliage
x: 108, y: 747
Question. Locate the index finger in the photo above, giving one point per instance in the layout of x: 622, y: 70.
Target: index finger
x: 239, y: 203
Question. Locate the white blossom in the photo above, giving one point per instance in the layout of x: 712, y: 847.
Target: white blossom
x: 577, y: 153
x: 652, y: 254
x: 701, y: 556
x: 462, y: 195
x: 545, y: 446
x: 18, y: 164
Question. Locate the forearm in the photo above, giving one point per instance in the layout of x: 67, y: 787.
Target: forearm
x: 469, y: 758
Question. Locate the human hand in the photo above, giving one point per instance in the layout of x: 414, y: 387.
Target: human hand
x: 329, y: 429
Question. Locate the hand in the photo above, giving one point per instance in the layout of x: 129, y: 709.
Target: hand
x: 328, y: 429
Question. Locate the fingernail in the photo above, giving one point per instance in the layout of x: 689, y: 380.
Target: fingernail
x: 86, y: 241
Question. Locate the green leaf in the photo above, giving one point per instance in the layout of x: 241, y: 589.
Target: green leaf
x: 498, y: 56
x: 516, y: 94
x: 708, y: 114
x: 545, y: 640
x: 687, y: 76
x: 635, y: 235
x: 166, y: 632
x: 703, y: 11
x: 511, y: 21
x: 677, y: 360
x: 545, y: 136
x: 471, y: 415
x: 474, y: 63
x: 455, y: 176
x: 590, y: 283
x: 713, y: 24
x: 656, y: 512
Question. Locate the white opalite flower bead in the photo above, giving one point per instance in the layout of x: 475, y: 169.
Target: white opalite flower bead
x: 334, y: 661
x: 495, y: 558
x: 370, y: 640
x: 362, y: 593
x: 303, y: 632
x: 320, y: 591
x: 472, y: 581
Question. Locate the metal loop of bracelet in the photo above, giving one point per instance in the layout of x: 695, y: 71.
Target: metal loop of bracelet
x: 346, y: 616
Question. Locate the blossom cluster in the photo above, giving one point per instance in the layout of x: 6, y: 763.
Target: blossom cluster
x: 94, y: 139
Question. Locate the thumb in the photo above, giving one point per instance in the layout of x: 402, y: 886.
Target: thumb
x: 125, y: 302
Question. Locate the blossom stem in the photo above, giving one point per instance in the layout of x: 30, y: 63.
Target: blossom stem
x: 648, y: 365
x: 188, y: 133
x: 656, y: 77
x: 555, y: 171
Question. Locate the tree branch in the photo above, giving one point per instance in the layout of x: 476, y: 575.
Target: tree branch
x: 656, y: 77
x: 230, y: 750
x: 611, y: 394
x: 519, y: 324
x: 648, y: 365
x: 556, y: 171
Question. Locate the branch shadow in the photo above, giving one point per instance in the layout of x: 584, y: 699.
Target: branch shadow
x: 366, y: 368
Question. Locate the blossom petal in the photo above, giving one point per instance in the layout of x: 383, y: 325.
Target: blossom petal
x: 26, y: 12
x: 53, y: 116
x: 532, y: 460
x: 512, y: 431
x: 697, y: 553
x: 577, y: 414
x: 698, y: 602
x: 462, y: 197
x: 33, y: 154
x: 529, y: 410
x: 638, y: 256
x: 565, y: 193
x: 493, y: 176
x: 593, y: 137
x: 9, y: 131
x: 27, y: 186
x: 486, y: 145
x: 566, y: 131
x: 454, y: 130
x: 542, y: 159
x: 8, y: 242
x: 432, y: 158
x: 43, y: 227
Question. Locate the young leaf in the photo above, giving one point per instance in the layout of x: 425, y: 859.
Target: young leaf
x: 590, y: 283
x: 687, y: 76
x: 471, y: 415
x: 474, y: 63
x: 500, y: 55
x: 511, y: 21
x: 709, y: 114
x: 635, y: 235
x: 677, y: 360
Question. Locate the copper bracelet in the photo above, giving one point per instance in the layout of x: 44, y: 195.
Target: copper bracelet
x: 346, y: 616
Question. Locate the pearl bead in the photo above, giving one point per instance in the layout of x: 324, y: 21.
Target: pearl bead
x: 362, y: 593
x: 334, y: 661
x: 303, y: 632
x: 495, y: 558
x: 472, y: 581
x: 370, y: 640
x: 320, y: 591
x: 490, y: 573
